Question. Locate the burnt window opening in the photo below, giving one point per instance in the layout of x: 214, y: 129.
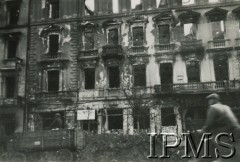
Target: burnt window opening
x: 89, y: 7
x: 12, y: 45
x: 89, y: 78
x: 164, y: 34
x: 13, y: 8
x: 53, y: 80
x: 88, y: 40
x: 141, y: 116
x: 190, y: 31
x: 50, y: 121
x: 54, y: 9
x: 193, y: 71
x: 218, y: 30
x: 114, y: 77
x: 139, y: 75
x: 136, y: 5
x: 113, y: 36
x: 138, y: 36
x: 115, y: 119
x: 221, y: 68
x: 10, y: 86
x: 53, y: 43
x: 168, y: 117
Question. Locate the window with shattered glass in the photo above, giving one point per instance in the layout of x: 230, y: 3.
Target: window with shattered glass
x: 136, y: 5
x: 138, y: 36
x: 190, y: 30
x: 88, y: 40
x: 113, y: 36
x: 164, y: 34
x: 139, y: 75
x: 89, y: 7
x: 193, y: 71
x: 218, y: 30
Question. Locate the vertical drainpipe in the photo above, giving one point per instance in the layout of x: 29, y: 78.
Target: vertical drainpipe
x: 25, y: 118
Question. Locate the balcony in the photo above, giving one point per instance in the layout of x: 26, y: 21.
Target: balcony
x: 52, y: 57
x: 88, y: 54
x: 191, y: 46
x: 221, y: 44
x: 164, y: 48
x: 58, y: 95
x: 112, y: 52
x: 10, y: 102
x: 138, y: 50
x: 237, y: 43
x: 203, y: 87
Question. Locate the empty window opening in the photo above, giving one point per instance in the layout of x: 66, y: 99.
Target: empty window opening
x: 193, y: 71
x: 89, y: 78
x: 53, y: 80
x: 53, y: 43
x: 113, y: 36
x: 115, y: 6
x: 190, y: 30
x: 168, y: 117
x: 54, y: 9
x: 115, y: 119
x: 164, y: 34
x: 136, y: 5
x: 221, y: 68
x: 114, y: 77
x: 141, y: 118
x: 166, y: 73
x: 13, y: 12
x: 88, y: 40
x: 10, y: 86
x: 8, y: 121
x: 218, y: 29
x: 188, y: 2
x: 139, y: 75
x: 52, y: 120
x: 12, y: 48
x: 138, y: 36
x: 89, y: 7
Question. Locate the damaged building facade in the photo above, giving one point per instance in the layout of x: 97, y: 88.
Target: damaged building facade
x: 116, y: 56
x: 13, y: 49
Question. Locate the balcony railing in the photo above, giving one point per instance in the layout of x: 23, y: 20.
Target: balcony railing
x: 52, y: 56
x: 191, y: 45
x: 198, y: 87
x: 9, y: 101
x: 88, y: 53
x: 138, y: 50
x: 164, y: 47
x: 56, y: 95
x: 221, y: 43
x: 110, y: 51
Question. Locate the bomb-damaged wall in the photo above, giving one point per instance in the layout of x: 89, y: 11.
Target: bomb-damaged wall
x: 66, y: 60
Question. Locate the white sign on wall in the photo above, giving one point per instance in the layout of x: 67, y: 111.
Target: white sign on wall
x: 85, y: 114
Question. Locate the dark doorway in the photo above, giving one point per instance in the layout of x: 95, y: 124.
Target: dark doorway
x: 115, y: 119
x: 89, y: 78
x: 221, y: 68
x: 10, y: 87
x: 53, y: 80
x: 164, y: 34
x: 193, y: 71
x: 53, y: 43
x: 114, y: 77
x: 166, y: 75
x: 139, y: 75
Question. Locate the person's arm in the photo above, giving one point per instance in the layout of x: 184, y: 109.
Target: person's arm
x: 211, y: 115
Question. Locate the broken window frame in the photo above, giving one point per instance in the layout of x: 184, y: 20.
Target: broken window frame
x: 44, y: 79
x: 168, y: 115
x: 140, y: 5
x: 91, y: 31
x: 114, y: 84
x: 86, y: 81
x: 87, y: 10
x: 195, y: 76
x: 51, y: 12
x: 142, y: 42
x: 53, y: 51
x: 13, y: 7
x: 136, y: 80
x: 222, y: 35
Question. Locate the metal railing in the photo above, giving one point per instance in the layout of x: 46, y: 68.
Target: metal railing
x: 50, y: 56
x: 9, y: 101
x: 138, y: 50
x: 191, y: 43
x: 87, y: 53
x: 112, y: 49
x: 198, y: 87
x: 55, y: 95
x: 164, y: 47
x: 221, y: 43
